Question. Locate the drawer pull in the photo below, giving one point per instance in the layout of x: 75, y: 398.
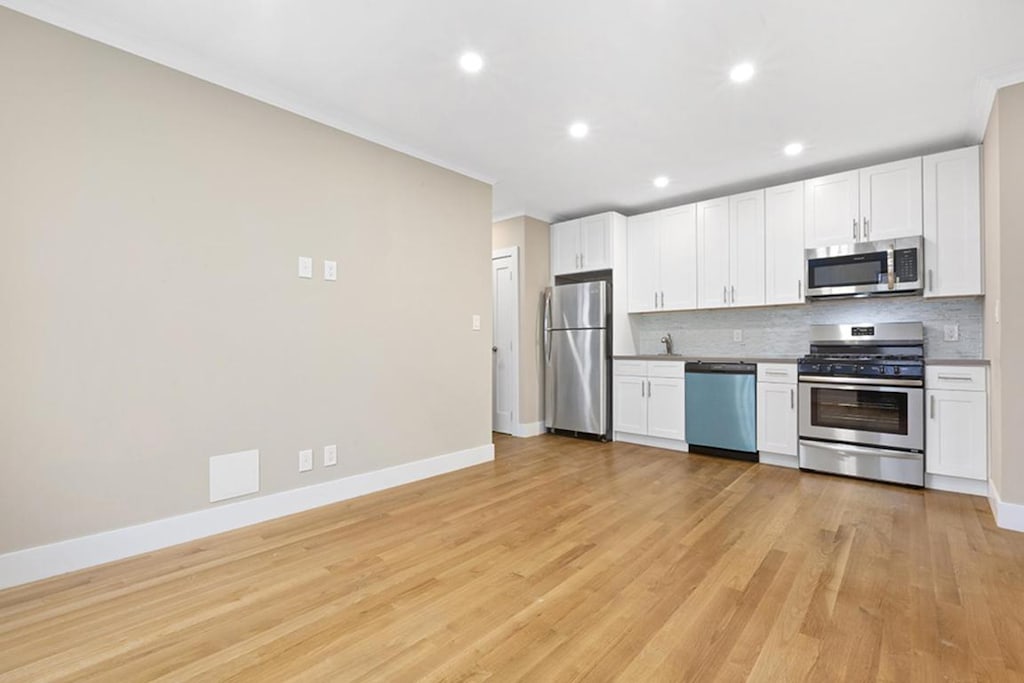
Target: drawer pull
x: 958, y: 378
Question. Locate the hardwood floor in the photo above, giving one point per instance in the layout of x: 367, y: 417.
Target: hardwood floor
x: 562, y: 560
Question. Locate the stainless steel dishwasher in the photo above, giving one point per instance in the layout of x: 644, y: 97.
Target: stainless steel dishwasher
x: 721, y: 409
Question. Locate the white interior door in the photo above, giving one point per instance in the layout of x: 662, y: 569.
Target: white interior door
x: 503, y: 363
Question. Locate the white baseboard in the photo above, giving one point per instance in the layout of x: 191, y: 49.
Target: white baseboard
x: 654, y: 441
x: 1008, y: 515
x: 779, y: 460
x: 529, y: 429
x: 32, y: 564
x: 941, y: 482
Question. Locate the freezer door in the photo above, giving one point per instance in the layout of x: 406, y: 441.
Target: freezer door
x: 576, y: 381
x: 578, y: 306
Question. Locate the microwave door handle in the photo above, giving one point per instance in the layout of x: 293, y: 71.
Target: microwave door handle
x: 890, y: 255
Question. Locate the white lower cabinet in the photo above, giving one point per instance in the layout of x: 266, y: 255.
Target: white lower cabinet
x: 777, y: 424
x: 956, y: 428
x: 649, y: 403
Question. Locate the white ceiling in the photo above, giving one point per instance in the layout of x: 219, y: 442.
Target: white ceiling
x: 855, y: 80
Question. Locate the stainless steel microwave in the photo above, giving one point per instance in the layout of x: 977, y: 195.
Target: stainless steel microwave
x: 866, y: 268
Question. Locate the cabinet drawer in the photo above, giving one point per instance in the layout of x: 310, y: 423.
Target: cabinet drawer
x: 955, y: 377
x: 666, y: 368
x: 632, y: 368
x: 781, y: 373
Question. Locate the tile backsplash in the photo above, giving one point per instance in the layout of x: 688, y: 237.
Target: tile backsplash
x: 783, y: 331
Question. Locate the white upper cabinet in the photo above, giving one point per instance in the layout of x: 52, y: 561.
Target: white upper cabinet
x: 730, y: 251
x: 713, y: 253
x: 784, y: 244
x: 890, y: 200
x: 678, y: 259
x: 746, y: 246
x: 952, y: 223
x: 875, y: 203
x: 832, y: 210
x: 644, y: 255
x: 596, y: 242
x: 581, y: 245
x: 565, y: 247
x: 662, y: 260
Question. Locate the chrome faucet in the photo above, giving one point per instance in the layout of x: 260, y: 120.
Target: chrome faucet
x: 667, y: 341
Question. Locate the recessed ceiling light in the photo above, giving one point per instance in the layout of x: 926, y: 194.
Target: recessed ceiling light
x: 579, y: 130
x: 741, y: 73
x: 471, y: 62
x: 660, y: 181
x: 793, y: 149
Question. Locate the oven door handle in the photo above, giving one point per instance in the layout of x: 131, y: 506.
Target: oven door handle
x: 847, y: 449
x: 860, y: 381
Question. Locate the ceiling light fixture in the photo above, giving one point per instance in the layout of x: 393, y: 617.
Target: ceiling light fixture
x: 660, y: 182
x: 471, y: 62
x: 741, y: 73
x: 579, y: 130
x: 793, y: 149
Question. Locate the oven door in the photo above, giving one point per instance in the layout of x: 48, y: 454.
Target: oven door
x: 867, y: 414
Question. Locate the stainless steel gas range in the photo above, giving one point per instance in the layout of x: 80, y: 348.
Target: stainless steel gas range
x: 862, y: 402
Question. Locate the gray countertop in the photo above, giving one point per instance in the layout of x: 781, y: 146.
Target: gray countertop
x: 708, y: 359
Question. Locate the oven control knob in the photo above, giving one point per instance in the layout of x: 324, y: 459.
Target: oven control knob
x: 896, y: 370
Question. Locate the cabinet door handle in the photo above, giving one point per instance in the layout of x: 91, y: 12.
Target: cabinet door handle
x: 931, y: 281
x: 792, y: 399
x: 648, y: 388
x: 725, y: 294
x: 867, y: 228
x: 642, y: 394
x: 734, y: 293
x: 655, y: 299
x: 855, y: 229
x: 663, y: 299
x: 931, y: 407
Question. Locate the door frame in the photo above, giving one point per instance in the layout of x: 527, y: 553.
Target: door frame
x: 513, y: 253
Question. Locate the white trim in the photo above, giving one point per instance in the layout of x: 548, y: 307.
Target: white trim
x: 1008, y: 515
x: 511, y: 253
x: 986, y: 89
x: 942, y: 482
x: 193, y: 64
x: 32, y: 564
x: 652, y: 441
x: 529, y: 429
x: 779, y: 460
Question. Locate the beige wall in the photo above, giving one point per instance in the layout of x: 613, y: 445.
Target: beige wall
x: 149, y: 229
x: 1004, y: 232
x: 532, y: 238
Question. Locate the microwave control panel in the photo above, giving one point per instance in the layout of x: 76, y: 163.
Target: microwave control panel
x: 905, y: 265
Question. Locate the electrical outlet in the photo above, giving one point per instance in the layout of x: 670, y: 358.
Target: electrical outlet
x: 306, y: 460
x: 737, y: 335
x: 330, y: 270
x: 330, y: 455
x: 305, y: 267
x: 951, y: 333
x: 476, y: 323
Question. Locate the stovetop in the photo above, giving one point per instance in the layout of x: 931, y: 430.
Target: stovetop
x: 892, y: 366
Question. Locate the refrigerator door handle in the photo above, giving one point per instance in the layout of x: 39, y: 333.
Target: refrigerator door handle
x: 547, y: 326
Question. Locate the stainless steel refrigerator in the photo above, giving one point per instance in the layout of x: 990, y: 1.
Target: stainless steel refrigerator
x: 576, y: 382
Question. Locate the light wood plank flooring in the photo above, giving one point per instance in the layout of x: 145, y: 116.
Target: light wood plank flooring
x: 563, y: 560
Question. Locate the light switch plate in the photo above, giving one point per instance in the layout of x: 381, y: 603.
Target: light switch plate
x: 330, y: 270
x: 737, y: 335
x: 330, y: 455
x: 306, y: 460
x: 951, y: 333
x: 305, y: 266
x: 476, y: 323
